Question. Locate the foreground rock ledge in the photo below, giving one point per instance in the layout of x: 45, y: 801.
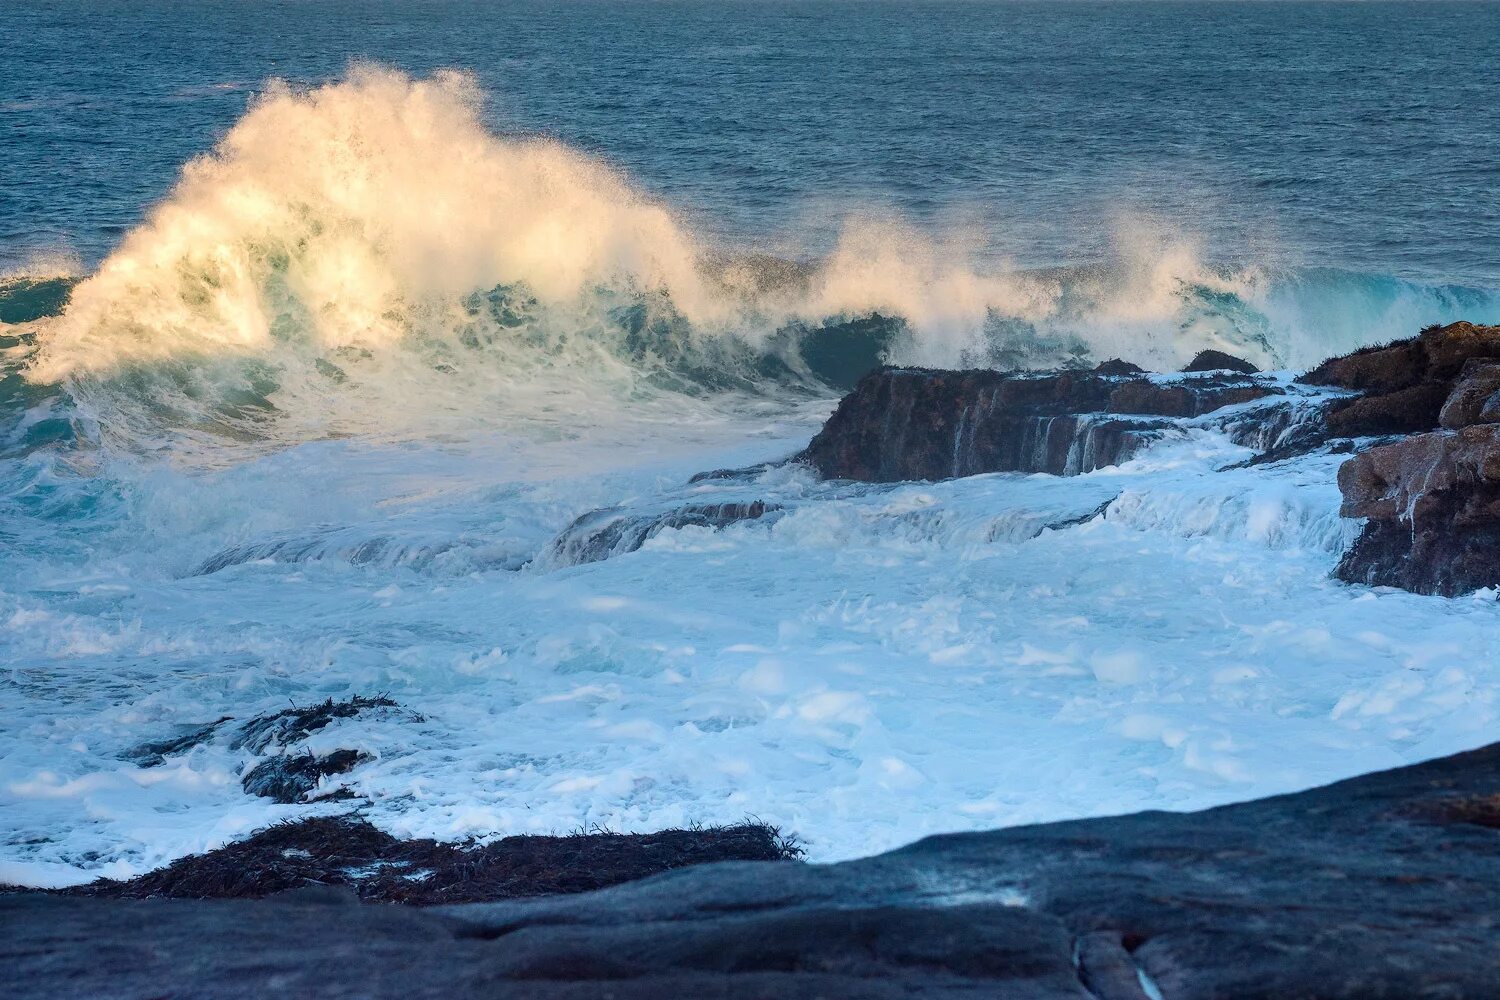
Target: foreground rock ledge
x: 1387, y: 885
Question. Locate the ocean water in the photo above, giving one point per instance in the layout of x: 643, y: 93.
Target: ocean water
x: 323, y: 322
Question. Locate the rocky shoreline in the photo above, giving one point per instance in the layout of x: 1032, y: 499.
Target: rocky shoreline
x: 1386, y: 885
x: 1422, y: 416
x: 348, y: 852
x: 1383, y: 886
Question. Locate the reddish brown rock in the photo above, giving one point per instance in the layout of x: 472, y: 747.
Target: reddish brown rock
x: 1475, y: 398
x: 1437, y: 354
x: 1405, y: 384
x: 1405, y: 411
x: 1433, y: 501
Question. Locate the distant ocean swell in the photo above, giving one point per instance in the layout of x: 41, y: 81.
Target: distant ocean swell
x: 366, y: 257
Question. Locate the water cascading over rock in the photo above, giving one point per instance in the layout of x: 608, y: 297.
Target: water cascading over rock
x: 916, y: 423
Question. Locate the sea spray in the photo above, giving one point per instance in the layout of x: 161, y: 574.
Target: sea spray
x: 367, y: 257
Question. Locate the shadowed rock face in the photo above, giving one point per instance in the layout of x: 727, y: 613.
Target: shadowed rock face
x: 1405, y: 411
x: 1384, y: 886
x: 912, y: 423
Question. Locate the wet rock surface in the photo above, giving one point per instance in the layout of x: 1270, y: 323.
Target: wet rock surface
x: 601, y: 534
x: 1433, y: 501
x: 1415, y: 408
x: 1387, y: 885
x: 377, y: 867
x: 914, y: 423
x: 293, y: 777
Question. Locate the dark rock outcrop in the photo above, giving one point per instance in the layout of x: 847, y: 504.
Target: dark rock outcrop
x: 292, y: 725
x: 1383, y: 886
x: 600, y: 534
x: 1211, y: 361
x: 349, y: 852
x: 913, y: 423
x: 917, y: 424
x: 1115, y: 367
x: 289, y: 777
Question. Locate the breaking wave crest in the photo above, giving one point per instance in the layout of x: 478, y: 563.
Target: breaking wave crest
x: 368, y: 257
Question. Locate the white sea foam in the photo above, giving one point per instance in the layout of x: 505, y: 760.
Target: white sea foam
x: 869, y: 667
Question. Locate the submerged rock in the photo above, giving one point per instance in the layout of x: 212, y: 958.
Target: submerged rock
x: 1382, y: 886
x: 262, y: 734
x: 914, y: 423
x: 155, y: 752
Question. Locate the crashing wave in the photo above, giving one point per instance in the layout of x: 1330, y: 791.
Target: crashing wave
x: 368, y: 257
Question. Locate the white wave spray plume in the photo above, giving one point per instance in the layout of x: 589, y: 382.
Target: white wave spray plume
x: 367, y: 255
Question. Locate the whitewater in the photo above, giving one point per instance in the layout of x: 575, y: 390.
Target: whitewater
x: 319, y: 426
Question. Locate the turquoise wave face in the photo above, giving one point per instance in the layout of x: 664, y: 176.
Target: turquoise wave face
x: 30, y: 414
x: 641, y: 346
